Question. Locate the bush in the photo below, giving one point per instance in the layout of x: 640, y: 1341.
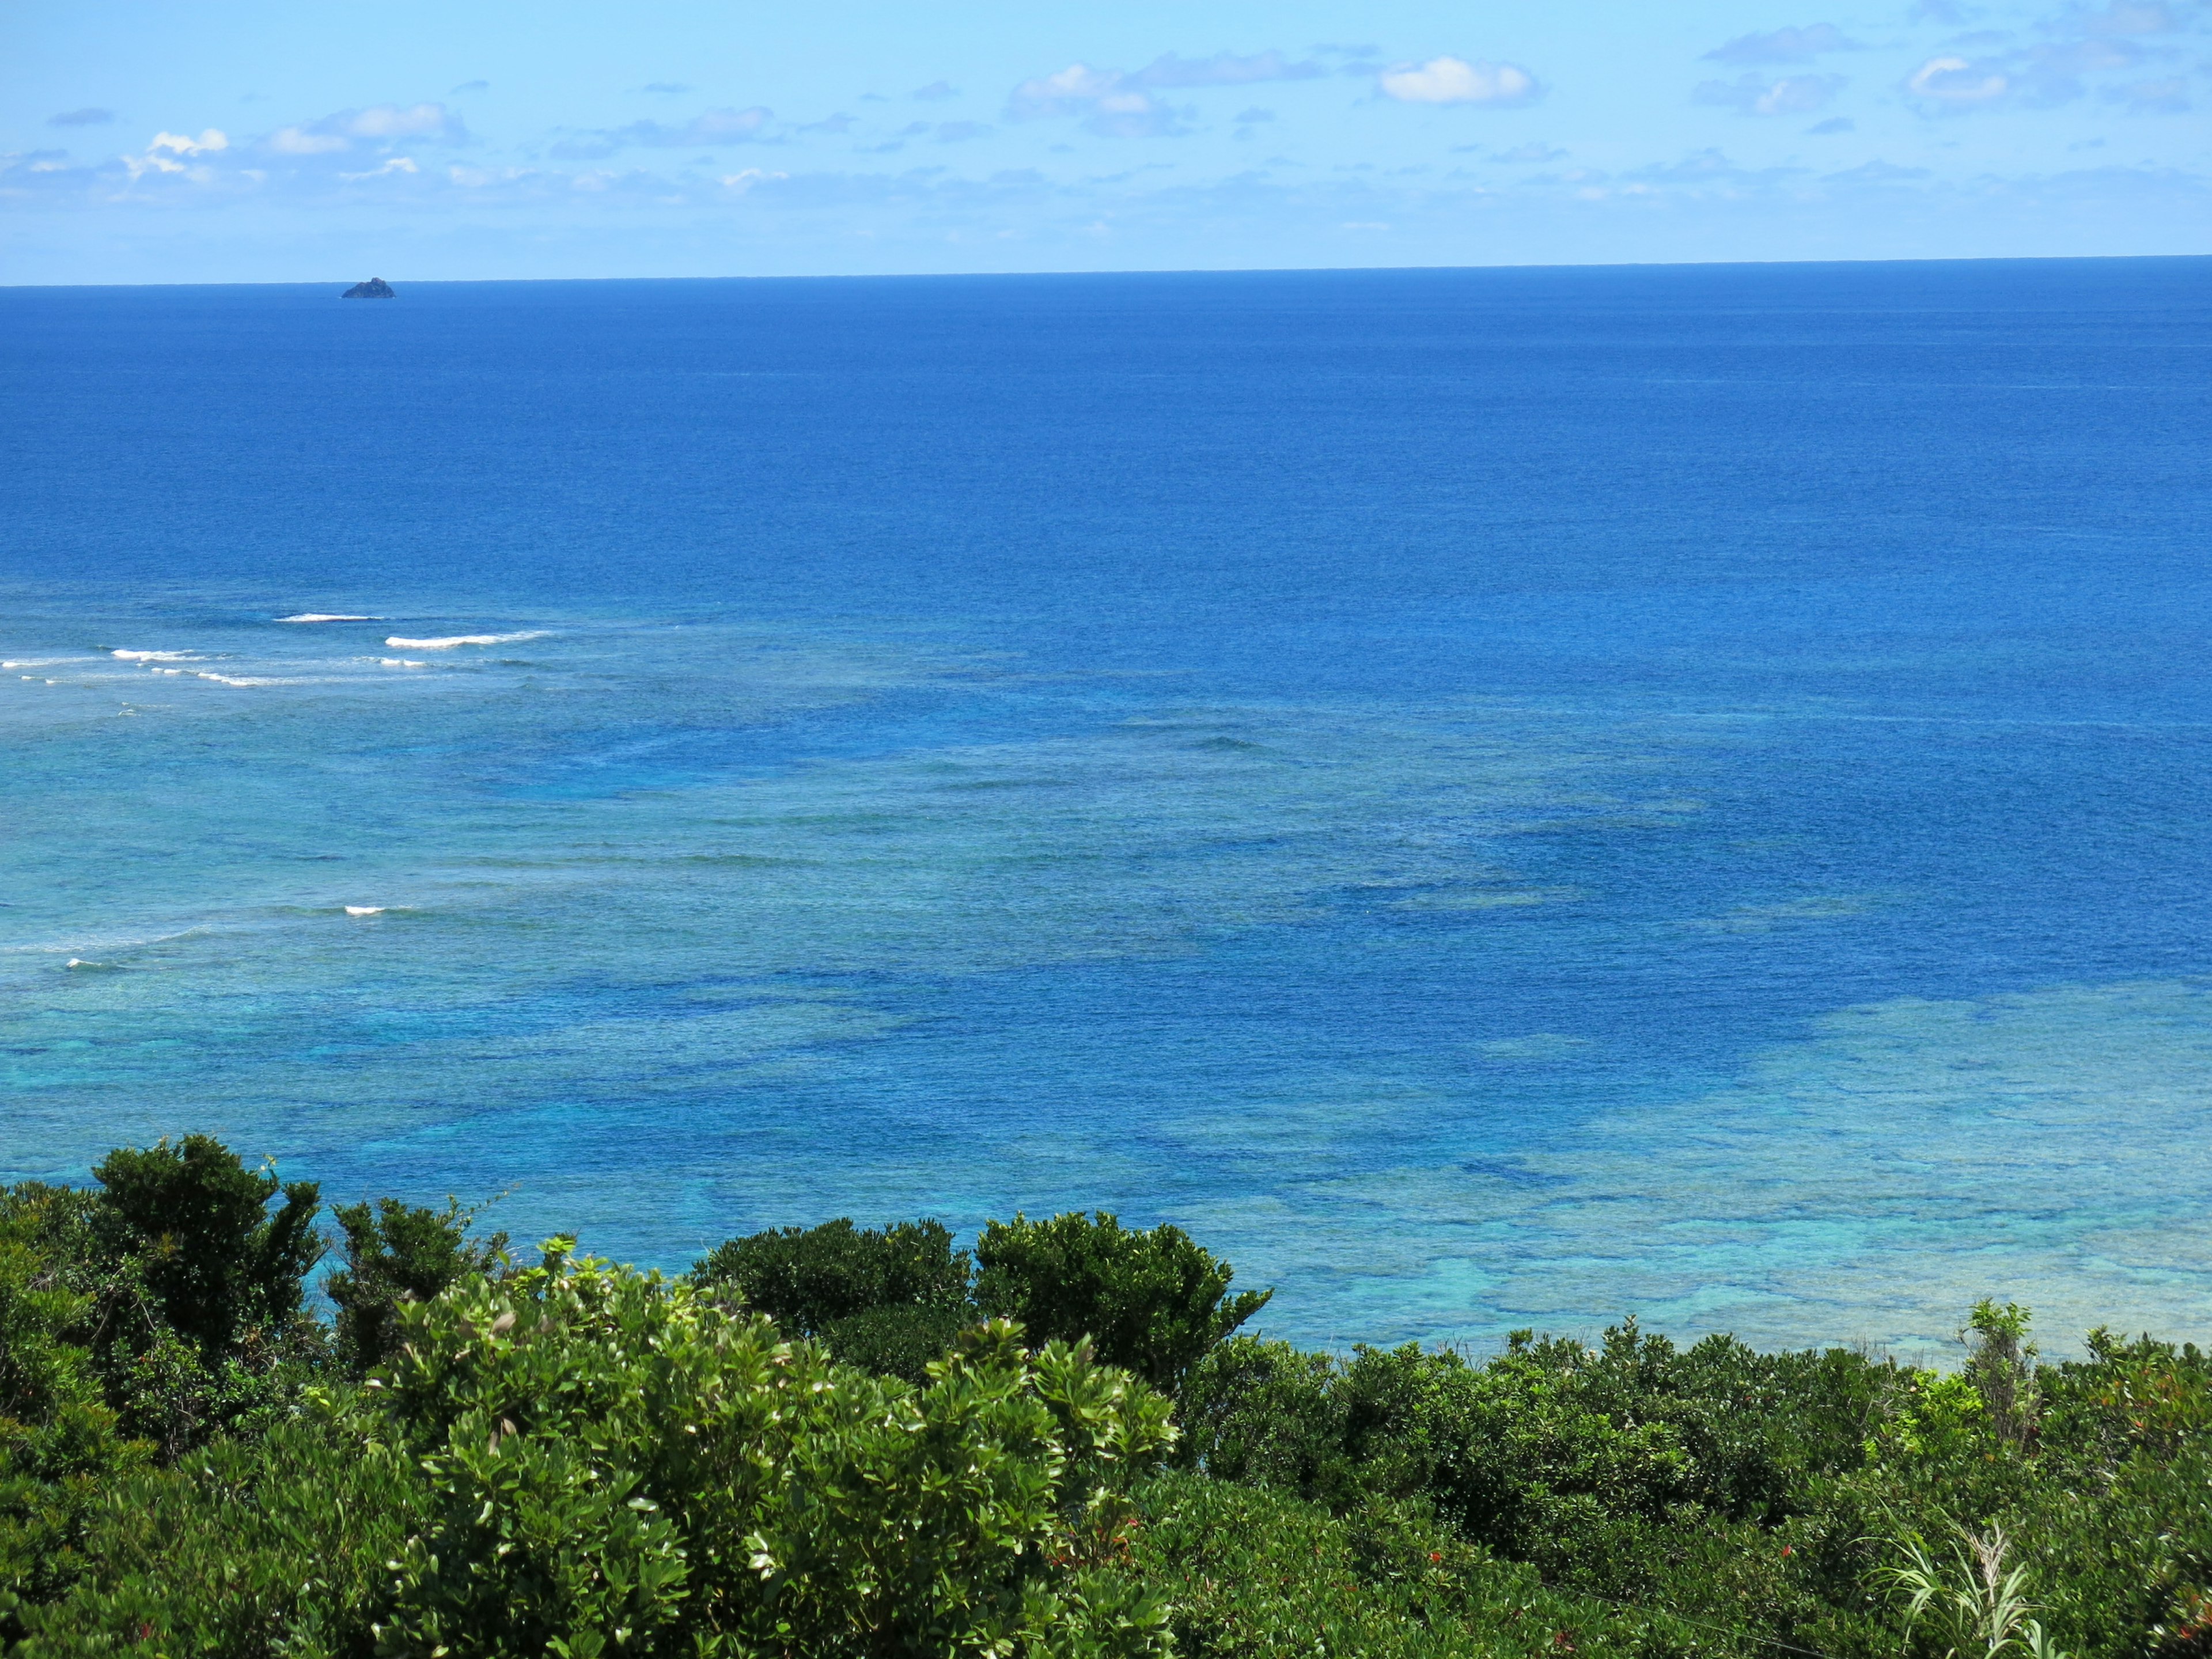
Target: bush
x: 1261, y: 1575
x: 1152, y: 1302
x: 887, y: 1301
x: 574, y: 1458
x: 613, y: 1463
x: 581, y: 1459
x: 195, y: 1222
x: 60, y: 1450
x: 245, y: 1549
x: 396, y: 1254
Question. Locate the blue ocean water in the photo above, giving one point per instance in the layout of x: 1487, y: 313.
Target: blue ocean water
x: 1494, y: 798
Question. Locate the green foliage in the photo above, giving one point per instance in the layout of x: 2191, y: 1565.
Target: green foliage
x: 195, y: 1222
x: 396, y: 1253
x: 1975, y: 1605
x: 576, y: 1459
x: 887, y: 1301
x: 1562, y: 1455
x: 1153, y: 1301
x: 244, y: 1548
x: 2001, y: 1364
x: 613, y: 1463
x: 1261, y: 1575
x: 162, y: 1309
x: 59, y: 1447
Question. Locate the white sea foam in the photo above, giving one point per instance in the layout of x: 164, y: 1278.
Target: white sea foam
x: 397, y: 643
x: 364, y: 910
x: 40, y: 662
x: 156, y: 656
x: 400, y: 662
x: 326, y: 615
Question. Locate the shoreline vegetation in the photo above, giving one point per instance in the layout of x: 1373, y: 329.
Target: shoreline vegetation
x: 844, y: 1440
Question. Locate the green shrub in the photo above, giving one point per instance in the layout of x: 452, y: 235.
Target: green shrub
x: 613, y: 1463
x: 1261, y: 1575
x: 195, y: 1222
x: 1154, y: 1302
x: 396, y: 1253
x: 887, y: 1301
x: 243, y: 1549
x: 60, y: 1449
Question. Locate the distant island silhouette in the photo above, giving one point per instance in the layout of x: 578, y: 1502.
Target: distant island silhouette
x: 374, y: 289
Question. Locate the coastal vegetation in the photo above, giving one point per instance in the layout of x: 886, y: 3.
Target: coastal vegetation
x: 846, y: 1440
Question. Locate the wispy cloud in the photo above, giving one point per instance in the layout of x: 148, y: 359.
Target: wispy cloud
x: 1225, y: 69
x: 1877, y: 173
x: 1758, y: 94
x: 1796, y: 44
x: 1121, y: 104
x: 2083, y: 48
x: 711, y: 130
x: 2167, y: 95
x: 378, y: 123
x: 1110, y: 103
x: 1957, y: 83
x: 1457, y: 80
x: 934, y: 91
x: 1530, y: 152
x: 81, y: 118
x: 2117, y: 18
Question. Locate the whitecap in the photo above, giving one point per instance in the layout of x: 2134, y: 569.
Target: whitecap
x: 364, y: 910
x: 397, y: 643
x: 156, y: 656
x: 326, y: 615
x: 400, y: 662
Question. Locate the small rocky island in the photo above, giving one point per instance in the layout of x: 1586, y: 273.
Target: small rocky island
x: 374, y: 289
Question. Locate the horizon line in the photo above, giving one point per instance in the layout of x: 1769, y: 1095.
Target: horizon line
x: 1170, y: 270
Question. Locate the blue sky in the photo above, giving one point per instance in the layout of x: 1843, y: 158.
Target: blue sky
x: 226, y: 141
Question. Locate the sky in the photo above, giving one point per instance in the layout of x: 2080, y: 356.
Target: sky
x: 268, y: 141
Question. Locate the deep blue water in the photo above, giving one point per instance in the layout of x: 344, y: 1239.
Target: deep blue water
x: 1494, y: 798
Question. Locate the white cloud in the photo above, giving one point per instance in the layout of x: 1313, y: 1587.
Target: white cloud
x: 1111, y: 101
x: 165, y: 153
x: 2084, y: 46
x: 392, y: 164
x: 298, y: 141
x: 1455, y: 80
x: 1955, y: 81
x: 1755, y: 94
x: 377, y: 123
x: 1120, y: 104
x: 390, y: 121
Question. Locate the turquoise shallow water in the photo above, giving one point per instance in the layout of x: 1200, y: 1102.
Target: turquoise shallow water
x: 1493, y: 797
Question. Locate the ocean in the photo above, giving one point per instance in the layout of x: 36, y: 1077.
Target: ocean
x: 1494, y: 798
